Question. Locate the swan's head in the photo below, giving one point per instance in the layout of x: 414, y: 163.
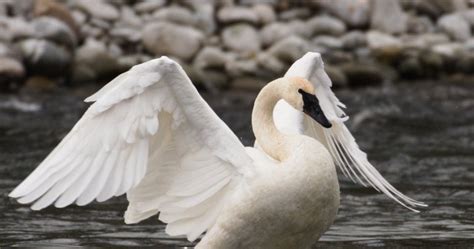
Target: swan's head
x: 302, y: 96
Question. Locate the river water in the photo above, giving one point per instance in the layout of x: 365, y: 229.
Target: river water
x: 419, y: 135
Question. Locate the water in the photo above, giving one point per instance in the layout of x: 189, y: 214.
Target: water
x: 419, y: 135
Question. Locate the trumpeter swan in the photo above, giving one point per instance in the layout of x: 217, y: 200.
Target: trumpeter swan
x: 150, y: 135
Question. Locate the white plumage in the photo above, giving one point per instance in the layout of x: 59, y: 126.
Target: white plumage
x: 149, y: 134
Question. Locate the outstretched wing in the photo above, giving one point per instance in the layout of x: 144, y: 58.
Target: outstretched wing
x: 149, y: 134
x: 338, y: 139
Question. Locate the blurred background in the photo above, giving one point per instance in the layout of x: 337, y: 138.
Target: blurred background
x: 403, y: 67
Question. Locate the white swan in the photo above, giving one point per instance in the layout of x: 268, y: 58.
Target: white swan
x: 149, y: 134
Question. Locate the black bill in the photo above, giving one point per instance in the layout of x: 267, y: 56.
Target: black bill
x: 311, y: 108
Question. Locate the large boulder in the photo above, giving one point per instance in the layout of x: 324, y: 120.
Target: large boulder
x: 388, y: 16
x: 241, y: 38
x: 162, y: 38
x: 455, y: 26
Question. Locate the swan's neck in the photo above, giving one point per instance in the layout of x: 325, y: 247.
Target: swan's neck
x: 272, y: 141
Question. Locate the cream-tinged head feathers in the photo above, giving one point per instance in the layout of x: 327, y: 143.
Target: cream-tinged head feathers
x: 292, y: 91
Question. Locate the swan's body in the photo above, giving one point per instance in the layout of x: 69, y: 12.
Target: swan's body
x: 289, y: 203
x: 149, y: 134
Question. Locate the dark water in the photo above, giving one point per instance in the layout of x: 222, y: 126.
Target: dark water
x: 420, y: 136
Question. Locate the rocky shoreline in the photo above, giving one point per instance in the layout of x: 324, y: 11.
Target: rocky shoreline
x: 234, y: 44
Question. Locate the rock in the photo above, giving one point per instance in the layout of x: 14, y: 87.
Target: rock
x: 449, y: 50
x: 163, y: 38
x: 100, y: 23
x: 232, y: 14
x: 383, y: 45
x: 148, y: 6
x: 265, y: 13
x: 326, y: 25
x: 213, y: 41
x: 16, y: 28
x: 270, y: 63
x: 3, y: 9
x: 44, y: 57
x: 353, y: 13
x: 337, y: 76
x: 126, y: 34
x: 57, y: 10
x: 423, y: 41
x: 354, y: 39
x: 79, y: 17
x: 299, y: 28
x: 238, y: 68
x: 388, y: 16
x: 455, y: 26
x: 277, y: 31
x: 362, y: 74
x: 469, y: 45
x: 21, y: 8
x: 175, y: 14
x: 449, y: 6
x: 274, y: 32
x: 54, y: 30
x: 209, y: 66
x: 241, y: 38
x: 419, y: 25
x: 295, y: 13
x: 129, y: 18
x: 468, y: 15
x: 435, y: 8
x: 289, y: 49
x: 128, y: 61
x: 329, y: 42
x: 273, y: 3
x: 10, y: 70
x: 94, y: 61
x: 204, y: 13
x: 433, y: 39
x: 10, y: 51
x: 91, y: 32
x: 98, y: 8
x: 211, y: 57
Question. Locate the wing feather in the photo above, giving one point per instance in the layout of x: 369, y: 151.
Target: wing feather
x: 148, y: 134
x: 338, y: 139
